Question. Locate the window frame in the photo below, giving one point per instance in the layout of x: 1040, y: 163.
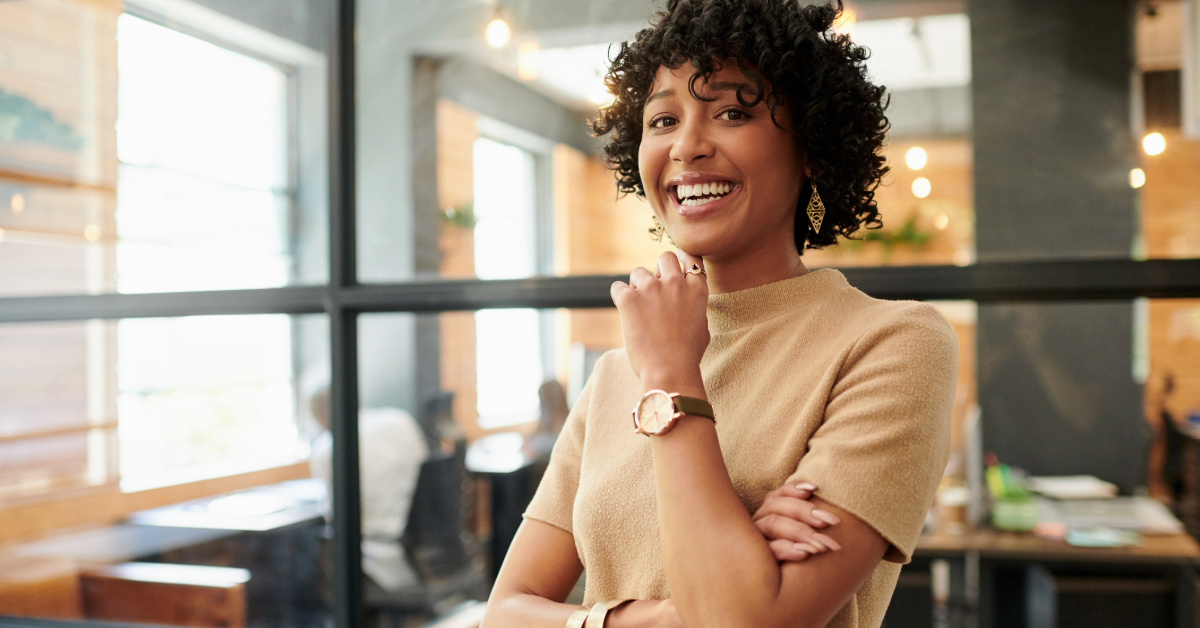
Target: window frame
x: 342, y: 298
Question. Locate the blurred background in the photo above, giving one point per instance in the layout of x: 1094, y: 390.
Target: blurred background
x: 165, y: 225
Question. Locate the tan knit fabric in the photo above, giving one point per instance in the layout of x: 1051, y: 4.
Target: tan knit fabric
x: 811, y: 380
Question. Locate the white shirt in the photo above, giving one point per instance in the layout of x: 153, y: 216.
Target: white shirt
x: 391, y: 450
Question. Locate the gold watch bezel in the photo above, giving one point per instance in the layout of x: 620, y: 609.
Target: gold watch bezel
x: 699, y: 407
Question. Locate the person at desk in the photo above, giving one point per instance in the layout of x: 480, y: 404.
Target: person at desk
x: 391, y: 450
x: 1166, y: 473
x: 752, y: 130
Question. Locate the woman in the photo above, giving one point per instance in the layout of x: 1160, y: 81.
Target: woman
x: 753, y: 133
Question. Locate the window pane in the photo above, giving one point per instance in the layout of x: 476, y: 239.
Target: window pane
x: 167, y: 449
x: 142, y: 158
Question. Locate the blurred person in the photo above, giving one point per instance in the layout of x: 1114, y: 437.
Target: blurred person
x: 1166, y: 461
x: 554, y: 411
x: 789, y: 431
x: 391, y: 450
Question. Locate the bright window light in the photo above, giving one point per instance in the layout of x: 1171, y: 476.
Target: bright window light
x: 507, y: 347
x: 204, y: 204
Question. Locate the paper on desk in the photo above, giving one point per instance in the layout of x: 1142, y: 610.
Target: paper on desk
x: 1141, y: 514
x: 1073, y: 487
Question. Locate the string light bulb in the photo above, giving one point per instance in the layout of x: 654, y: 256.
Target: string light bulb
x: 916, y: 158
x: 1154, y: 143
x: 1137, y: 178
x: 921, y: 187
x: 498, y: 32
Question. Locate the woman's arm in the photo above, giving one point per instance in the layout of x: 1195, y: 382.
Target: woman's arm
x: 720, y: 569
x: 541, y: 568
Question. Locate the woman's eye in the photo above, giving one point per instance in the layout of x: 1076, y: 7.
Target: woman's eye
x: 734, y: 115
x: 661, y: 122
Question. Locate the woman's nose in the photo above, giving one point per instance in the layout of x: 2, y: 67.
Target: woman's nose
x: 691, y: 143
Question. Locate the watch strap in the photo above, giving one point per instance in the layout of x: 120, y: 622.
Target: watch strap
x: 695, y: 407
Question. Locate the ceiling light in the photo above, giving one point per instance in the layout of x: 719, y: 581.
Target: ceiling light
x: 527, y: 60
x: 916, y: 158
x: 599, y: 94
x: 845, y: 23
x: 1154, y: 143
x: 941, y: 221
x: 91, y: 233
x: 921, y: 187
x: 498, y: 32
x: 17, y: 203
x: 1137, y: 178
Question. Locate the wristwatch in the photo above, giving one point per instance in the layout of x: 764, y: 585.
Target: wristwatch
x: 658, y: 410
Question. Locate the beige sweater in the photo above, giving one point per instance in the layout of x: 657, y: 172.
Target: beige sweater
x: 811, y: 380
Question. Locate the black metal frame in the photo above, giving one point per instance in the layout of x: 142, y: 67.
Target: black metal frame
x: 343, y: 299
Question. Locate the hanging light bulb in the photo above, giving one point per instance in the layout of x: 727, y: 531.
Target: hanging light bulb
x: 921, y: 187
x: 1154, y: 143
x: 498, y: 33
x: 916, y: 158
x: 1137, y: 178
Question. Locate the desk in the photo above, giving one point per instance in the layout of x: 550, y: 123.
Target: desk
x: 273, y: 531
x: 513, y: 474
x: 1017, y: 579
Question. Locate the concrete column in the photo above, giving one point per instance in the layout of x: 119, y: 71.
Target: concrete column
x: 1053, y: 149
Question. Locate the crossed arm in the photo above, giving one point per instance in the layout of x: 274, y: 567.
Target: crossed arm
x: 803, y: 535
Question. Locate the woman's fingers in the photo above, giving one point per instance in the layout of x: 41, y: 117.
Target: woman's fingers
x: 787, y: 551
x: 775, y: 527
x: 640, y: 277
x: 798, y: 509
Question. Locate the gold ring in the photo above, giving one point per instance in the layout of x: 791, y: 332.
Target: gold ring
x: 695, y: 270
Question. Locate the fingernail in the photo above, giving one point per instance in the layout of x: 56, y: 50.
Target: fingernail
x: 817, y: 544
x: 826, y: 516
x: 806, y: 486
x: 832, y: 544
x: 806, y: 547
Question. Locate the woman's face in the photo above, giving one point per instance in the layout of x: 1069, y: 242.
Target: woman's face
x: 723, y: 178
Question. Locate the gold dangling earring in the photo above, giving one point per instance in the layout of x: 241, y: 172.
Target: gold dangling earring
x: 657, y: 230
x: 816, y: 209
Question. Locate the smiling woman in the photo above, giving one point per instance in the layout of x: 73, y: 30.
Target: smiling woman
x: 781, y: 415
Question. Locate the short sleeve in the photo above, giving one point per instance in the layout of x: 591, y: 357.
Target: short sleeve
x: 882, y: 446
x: 554, y: 501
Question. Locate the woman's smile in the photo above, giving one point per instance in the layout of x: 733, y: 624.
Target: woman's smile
x: 697, y: 194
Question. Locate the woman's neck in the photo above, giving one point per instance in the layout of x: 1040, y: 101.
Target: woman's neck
x: 755, y: 269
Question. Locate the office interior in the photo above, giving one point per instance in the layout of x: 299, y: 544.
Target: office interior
x: 213, y: 212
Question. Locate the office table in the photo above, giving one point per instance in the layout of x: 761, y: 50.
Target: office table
x: 1018, y: 579
x: 513, y: 473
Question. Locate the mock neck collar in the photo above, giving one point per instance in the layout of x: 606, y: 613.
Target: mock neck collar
x: 745, y: 308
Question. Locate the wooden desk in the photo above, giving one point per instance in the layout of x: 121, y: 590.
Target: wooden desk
x: 1017, y: 579
x: 513, y: 473
x: 1174, y: 549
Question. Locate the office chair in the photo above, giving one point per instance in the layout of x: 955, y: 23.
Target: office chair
x: 438, y: 546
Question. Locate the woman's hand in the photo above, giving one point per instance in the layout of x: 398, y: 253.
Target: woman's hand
x: 664, y: 321
x: 789, y: 521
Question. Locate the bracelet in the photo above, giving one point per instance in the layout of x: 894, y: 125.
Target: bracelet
x: 577, y: 618
x: 596, y: 616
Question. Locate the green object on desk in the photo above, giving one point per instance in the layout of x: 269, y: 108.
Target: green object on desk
x: 1018, y: 514
x: 1102, y: 537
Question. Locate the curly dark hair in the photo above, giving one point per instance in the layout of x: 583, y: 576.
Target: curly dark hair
x: 837, y: 114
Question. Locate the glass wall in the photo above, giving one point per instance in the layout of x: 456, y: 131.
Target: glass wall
x: 172, y: 146
x: 155, y: 468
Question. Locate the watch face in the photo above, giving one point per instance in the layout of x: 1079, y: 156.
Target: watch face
x: 655, y: 412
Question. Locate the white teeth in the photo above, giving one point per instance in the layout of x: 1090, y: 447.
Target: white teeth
x: 692, y: 192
